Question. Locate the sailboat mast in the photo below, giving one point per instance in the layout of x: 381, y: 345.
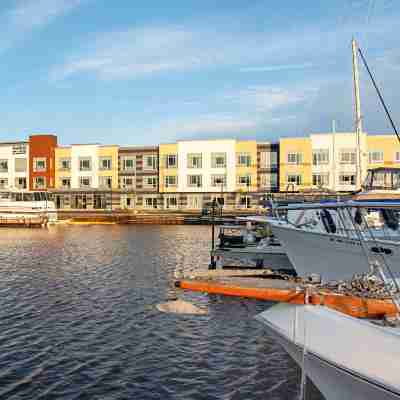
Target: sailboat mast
x: 357, y: 104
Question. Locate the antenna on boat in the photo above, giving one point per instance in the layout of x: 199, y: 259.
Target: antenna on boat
x: 379, y: 94
x: 357, y: 104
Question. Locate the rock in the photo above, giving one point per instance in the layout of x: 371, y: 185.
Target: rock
x: 181, y: 307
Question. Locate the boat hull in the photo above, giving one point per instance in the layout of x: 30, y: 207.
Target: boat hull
x: 339, y: 366
x: 334, y: 257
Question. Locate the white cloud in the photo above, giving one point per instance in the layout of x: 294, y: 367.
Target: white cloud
x: 273, y: 68
x: 146, y: 51
x: 28, y: 15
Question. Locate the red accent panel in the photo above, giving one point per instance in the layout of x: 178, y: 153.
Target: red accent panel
x: 42, y: 146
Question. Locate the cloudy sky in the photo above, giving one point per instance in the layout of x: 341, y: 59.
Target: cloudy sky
x: 145, y: 72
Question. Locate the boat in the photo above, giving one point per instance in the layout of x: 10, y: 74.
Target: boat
x: 348, y: 346
x: 332, y: 230
x: 26, y: 207
x: 345, y: 357
x: 252, y: 245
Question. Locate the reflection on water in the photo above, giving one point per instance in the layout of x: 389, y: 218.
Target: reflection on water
x: 78, y: 320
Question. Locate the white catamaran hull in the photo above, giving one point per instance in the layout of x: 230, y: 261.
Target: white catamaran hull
x: 338, y: 363
x: 334, y: 257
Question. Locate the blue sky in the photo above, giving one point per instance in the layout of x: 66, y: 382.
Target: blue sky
x: 145, y: 72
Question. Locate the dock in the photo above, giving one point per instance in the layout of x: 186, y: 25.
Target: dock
x: 22, y: 222
x: 258, y: 285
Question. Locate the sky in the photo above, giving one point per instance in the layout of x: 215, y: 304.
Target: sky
x: 147, y: 72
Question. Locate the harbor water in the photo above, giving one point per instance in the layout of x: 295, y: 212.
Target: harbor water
x: 79, y: 320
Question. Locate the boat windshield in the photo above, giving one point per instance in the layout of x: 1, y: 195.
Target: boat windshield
x: 24, y: 196
x: 382, y: 179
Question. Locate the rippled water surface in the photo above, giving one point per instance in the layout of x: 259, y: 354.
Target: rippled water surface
x: 78, y: 320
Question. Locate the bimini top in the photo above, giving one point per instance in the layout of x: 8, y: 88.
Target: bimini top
x: 342, y: 204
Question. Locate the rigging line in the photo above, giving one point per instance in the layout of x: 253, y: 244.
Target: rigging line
x: 379, y: 94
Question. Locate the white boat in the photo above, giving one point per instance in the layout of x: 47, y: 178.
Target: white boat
x: 345, y: 357
x: 323, y: 238
x: 26, y: 204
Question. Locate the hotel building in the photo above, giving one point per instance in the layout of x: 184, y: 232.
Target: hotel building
x: 186, y: 175
x: 86, y: 177
x: 138, y: 177
x: 192, y: 173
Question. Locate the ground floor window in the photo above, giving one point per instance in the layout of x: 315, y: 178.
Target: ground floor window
x: 320, y: 179
x: 347, y: 179
x: 195, y: 202
x: 20, y: 183
x: 150, y: 202
x: 128, y: 201
x: 294, y: 179
x: 99, y: 201
x: 171, y: 202
x: 79, y: 201
x: 245, y: 202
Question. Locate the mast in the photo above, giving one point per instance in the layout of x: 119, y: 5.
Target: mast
x: 358, y: 122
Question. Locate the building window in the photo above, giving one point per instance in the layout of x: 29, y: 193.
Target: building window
x: 20, y: 164
x: 65, y: 182
x: 85, y: 164
x: 171, y: 202
x: 105, y: 182
x: 347, y: 179
x: 3, y: 165
x: 20, y: 183
x: 375, y: 156
x: 244, y: 202
x: 3, y: 183
x: 150, y: 182
x: 294, y: 179
x: 150, y: 162
x: 127, y: 182
x: 320, y: 179
x: 194, y: 160
x: 244, y: 160
x: 19, y: 148
x: 294, y: 158
x: 194, y: 180
x: 150, y: 202
x: 171, y: 161
x: 39, y: 182
x: 39, y: 164
x: 320, y: 156
x: 244, y: 180
x: 218, y: 180
x: 218, y: 160
x: 268, y: 159
x: 195, y: 202
x: 85, y: 181
x: 105, y: 163
x: 171, y: 181
x: 65, y: 164
x: 128, y: 164
x: 347, y: 156
x: 397, y: 156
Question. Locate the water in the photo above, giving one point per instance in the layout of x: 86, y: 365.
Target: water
x: 78, y: 320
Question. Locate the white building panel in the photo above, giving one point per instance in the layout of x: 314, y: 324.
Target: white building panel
x: 79, y: 152
x: 206, y: 148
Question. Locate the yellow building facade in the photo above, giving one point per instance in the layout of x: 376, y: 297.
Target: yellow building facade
x: 168, y: 167
x: 383, y: 151
x: 246, y: 165
x: 295, y: 164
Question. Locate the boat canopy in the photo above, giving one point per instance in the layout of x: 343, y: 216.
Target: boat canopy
x: 382, y: 178
x: 342, y: 204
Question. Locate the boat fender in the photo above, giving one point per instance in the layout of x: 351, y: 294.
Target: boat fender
x: 328, y: 222
x: 390, y: 218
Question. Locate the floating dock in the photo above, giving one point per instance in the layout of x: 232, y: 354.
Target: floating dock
x: 22, y: 222
x: 249, y: 285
